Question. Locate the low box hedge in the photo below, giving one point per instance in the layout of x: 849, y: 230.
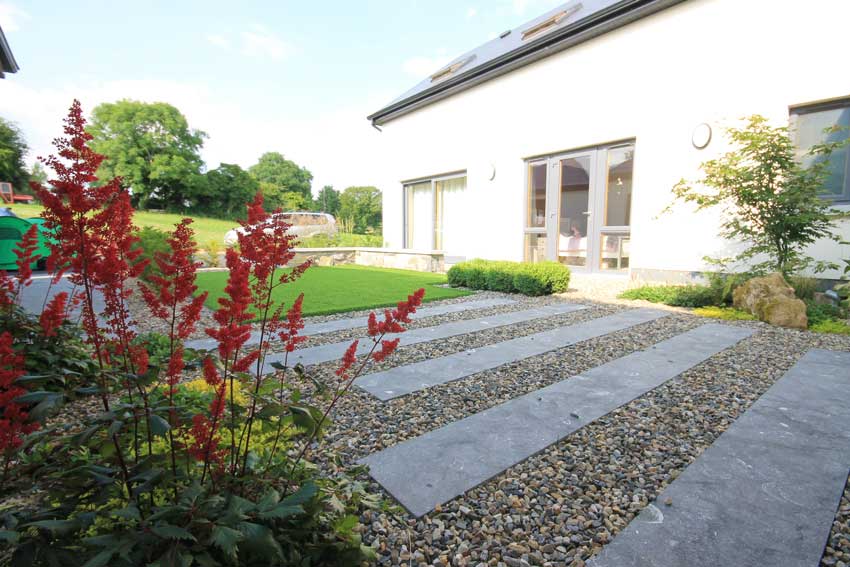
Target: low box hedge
x: 511, y: 277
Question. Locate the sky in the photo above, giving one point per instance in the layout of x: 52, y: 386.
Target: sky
x: 296, y: 77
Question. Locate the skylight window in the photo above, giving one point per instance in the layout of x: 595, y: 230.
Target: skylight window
x: 451, y: 69
x: 550, y: 23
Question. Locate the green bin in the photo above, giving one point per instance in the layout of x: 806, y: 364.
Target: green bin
x: 12, y: 229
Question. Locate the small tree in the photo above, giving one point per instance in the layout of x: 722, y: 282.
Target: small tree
x: 770, y: 201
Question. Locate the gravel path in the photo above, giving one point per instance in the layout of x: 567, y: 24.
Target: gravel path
x: 561, y: 506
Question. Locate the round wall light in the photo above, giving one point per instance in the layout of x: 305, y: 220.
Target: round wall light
x: 491, y: 172
x: 701, y: 136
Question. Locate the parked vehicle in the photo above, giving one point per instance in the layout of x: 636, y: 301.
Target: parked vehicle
x: 8, y: 195
x: 12, y: 229
x: 304, y: 225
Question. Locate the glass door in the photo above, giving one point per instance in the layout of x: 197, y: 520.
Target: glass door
x: 578, y: 208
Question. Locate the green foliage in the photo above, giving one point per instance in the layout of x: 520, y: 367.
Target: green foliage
x: 676, y: 295
x: 771, y: 202
x: 38, y: 175
x: 327, y: 201
x: 722, y: 285
x: 804, y: 287
x: 151, y: 241
x: 279, y: 176
x: 342, y: 239
x: 362, y: 205
x: 13, y: 148
x: 151, y: 146
x: 823, y: 312
x: 530, y: 279
x: 832, y: 326
x: 725, y: 313
x: 224, y: 191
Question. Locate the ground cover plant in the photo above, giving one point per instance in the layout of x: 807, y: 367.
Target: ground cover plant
x: 170, y: 472
x: 677, y: 295
x: 542, y: 278
x: 335, y: 289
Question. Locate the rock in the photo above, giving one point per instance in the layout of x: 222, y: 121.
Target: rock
x: 771, y: 300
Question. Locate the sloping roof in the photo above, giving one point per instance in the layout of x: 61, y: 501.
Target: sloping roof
x: 7, y: 60
x: 567, y: 25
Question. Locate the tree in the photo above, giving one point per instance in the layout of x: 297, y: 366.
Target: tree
x: 13, y: 147
x: 362, y: 207
x: 224, y: 192
x: 279, y: 176
x: 151, y: 146
x: 771, y: 202
x: 327, y: 201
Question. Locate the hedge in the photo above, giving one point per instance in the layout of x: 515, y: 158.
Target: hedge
x: 511, y: 277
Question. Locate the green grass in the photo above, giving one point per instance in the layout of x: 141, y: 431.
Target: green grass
x: 206, y: 229
x: 726, y: 313
x: 344, y: 288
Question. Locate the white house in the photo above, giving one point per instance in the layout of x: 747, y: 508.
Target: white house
x: 561, y: 139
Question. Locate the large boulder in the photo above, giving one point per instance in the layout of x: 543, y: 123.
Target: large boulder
x: 771, y: 300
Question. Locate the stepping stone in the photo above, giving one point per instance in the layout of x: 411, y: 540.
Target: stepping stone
x: 766, y: 491
x: 404, y: 380
x: 334, y: 351
x: 313, y: 329
x: 444, y: 463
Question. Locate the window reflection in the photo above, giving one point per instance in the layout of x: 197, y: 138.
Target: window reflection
x: 537, y: 196
x: 618, y: 193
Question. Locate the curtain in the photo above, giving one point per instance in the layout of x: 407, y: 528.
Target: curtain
x: 453, y: 220
x: 420, y: 216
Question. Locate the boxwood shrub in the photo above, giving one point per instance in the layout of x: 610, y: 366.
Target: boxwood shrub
x: 511, y: 277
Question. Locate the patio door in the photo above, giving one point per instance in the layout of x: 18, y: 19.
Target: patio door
x: 579, y: 208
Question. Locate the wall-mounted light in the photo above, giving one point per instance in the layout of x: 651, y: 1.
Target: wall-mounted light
x: 701, y: 136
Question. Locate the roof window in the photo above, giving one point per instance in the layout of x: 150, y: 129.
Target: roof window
x: 550, y: 23
x: 451, y: 69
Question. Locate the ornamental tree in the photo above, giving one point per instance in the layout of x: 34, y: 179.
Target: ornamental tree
x: 770, y: 202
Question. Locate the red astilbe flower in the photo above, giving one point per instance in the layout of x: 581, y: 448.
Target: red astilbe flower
x: 11, y: 287
x: 54, y: 314
x: 13, y: 418
x: 288, y: 334
x: 348, y: 360
x: 232, y: 316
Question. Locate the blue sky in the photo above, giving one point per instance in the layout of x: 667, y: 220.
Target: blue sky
x: 294, y: 77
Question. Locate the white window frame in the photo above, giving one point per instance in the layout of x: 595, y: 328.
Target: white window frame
x: 406, y: 206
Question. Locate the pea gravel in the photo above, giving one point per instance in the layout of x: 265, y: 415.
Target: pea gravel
x: 561, y: 506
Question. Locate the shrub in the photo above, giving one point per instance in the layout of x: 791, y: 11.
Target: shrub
x: 529, y: 279
x: 822, y: 312
x: 151, y: 242
x: 676, y: 295
x: 804, y: 287
x: 832, y: 326
x: 722, y: 285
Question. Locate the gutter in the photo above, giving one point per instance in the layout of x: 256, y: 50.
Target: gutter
x: 7, y: 60
x: 593, y: 26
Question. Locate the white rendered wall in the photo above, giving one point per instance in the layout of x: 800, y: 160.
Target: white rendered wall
x: 654, y: 80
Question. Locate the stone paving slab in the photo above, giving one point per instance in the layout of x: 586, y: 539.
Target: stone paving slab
x: 766, y: 491
x: 334, y: 351
x: 313, y: 329
x: 445, y: 463
x: 404, y: 380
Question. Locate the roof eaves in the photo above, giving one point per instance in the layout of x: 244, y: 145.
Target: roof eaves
x: 595, y: 25
x: 7, y: 60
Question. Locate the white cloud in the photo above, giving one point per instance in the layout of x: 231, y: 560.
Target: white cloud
x: 532, y: 7
x: 236, y: 133
x: 11, y: 17
x: 263, y: 43
x: 471, y: 12
x: 218, y: 40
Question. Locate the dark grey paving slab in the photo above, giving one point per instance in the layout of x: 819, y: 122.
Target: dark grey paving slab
x: 33, y: 296
x: 445, y: 463
x: 766, y: 491
x: 334, y: 351
x: 403, y: 380
x: 357, y: 322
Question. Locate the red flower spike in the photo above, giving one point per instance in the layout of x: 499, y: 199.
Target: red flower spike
x: 13, y: 418
x: 348, y: 360
x: 387, y: 348
x: 54, y: 314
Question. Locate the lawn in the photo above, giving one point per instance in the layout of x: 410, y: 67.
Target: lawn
x: 344, y: 288
x: 206, y: 229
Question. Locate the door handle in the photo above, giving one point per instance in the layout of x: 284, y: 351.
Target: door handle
x: 586, y: 213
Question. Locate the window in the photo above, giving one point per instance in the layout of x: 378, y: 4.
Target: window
x: 550, y: 23
x: 435, y: 213
x: 821, y: 123
x: 452, y: 69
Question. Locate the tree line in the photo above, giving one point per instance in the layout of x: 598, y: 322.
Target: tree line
x: 157, y: 154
